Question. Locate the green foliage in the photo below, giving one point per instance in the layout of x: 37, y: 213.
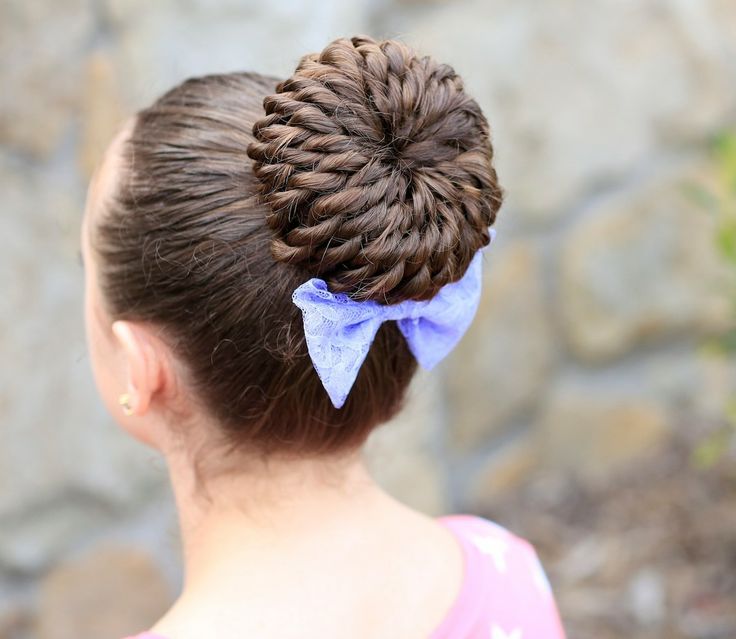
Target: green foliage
x: 711, y: 448
x: 719, y: 200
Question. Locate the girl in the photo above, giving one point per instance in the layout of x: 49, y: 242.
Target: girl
x: 267, y: 263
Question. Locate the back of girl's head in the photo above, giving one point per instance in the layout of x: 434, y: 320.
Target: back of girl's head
x: 370, y: 167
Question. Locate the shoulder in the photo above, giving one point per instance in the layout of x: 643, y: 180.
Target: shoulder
x: 478, y: 529
x: 514, y: 580
x: 505, y: 547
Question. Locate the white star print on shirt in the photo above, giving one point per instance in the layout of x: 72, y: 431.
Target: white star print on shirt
x: 498, y: 633
x: 495, y: 547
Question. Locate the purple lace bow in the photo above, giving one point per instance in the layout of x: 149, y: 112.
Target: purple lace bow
x: 340, y: 330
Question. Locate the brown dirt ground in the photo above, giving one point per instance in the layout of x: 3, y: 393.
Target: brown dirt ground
x: 650, y: 554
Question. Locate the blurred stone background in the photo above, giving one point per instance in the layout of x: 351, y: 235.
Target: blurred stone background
x: 570, y: 410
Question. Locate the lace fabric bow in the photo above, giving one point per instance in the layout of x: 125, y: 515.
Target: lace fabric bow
x: 339, y: 330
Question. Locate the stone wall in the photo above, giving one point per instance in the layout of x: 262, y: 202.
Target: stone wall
x: 599, y: 288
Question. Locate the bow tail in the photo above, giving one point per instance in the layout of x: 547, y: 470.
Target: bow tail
x: 338, y: 352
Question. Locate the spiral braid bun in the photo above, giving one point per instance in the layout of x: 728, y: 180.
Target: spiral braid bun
x: 376, y: 166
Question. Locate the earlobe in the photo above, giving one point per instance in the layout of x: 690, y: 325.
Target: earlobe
x: 141, y: 365
x: 124, y: 400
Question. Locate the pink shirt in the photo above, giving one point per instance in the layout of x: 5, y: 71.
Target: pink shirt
x: 505, y: 593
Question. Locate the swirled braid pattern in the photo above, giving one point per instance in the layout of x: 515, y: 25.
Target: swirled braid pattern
x: 377, y: 170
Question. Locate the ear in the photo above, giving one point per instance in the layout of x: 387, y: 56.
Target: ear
x: 142, y: 363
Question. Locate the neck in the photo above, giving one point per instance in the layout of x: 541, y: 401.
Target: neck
x: 268, y: 529
x: 268, y: 514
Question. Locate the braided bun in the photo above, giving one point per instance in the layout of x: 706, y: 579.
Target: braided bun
x: 376, y: 166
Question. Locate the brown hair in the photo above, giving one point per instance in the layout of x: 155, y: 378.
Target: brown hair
x: 371, y: 168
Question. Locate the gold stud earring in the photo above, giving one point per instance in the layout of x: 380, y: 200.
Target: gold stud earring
x: 124, y: 401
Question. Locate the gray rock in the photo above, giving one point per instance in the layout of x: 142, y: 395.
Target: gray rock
x: 124, y: 582
x: 641, y: 268
x: 646, y: 597
x: 592, y: 430
x: 42, y: 47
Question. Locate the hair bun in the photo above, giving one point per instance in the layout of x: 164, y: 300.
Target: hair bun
x: 377, y: 169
